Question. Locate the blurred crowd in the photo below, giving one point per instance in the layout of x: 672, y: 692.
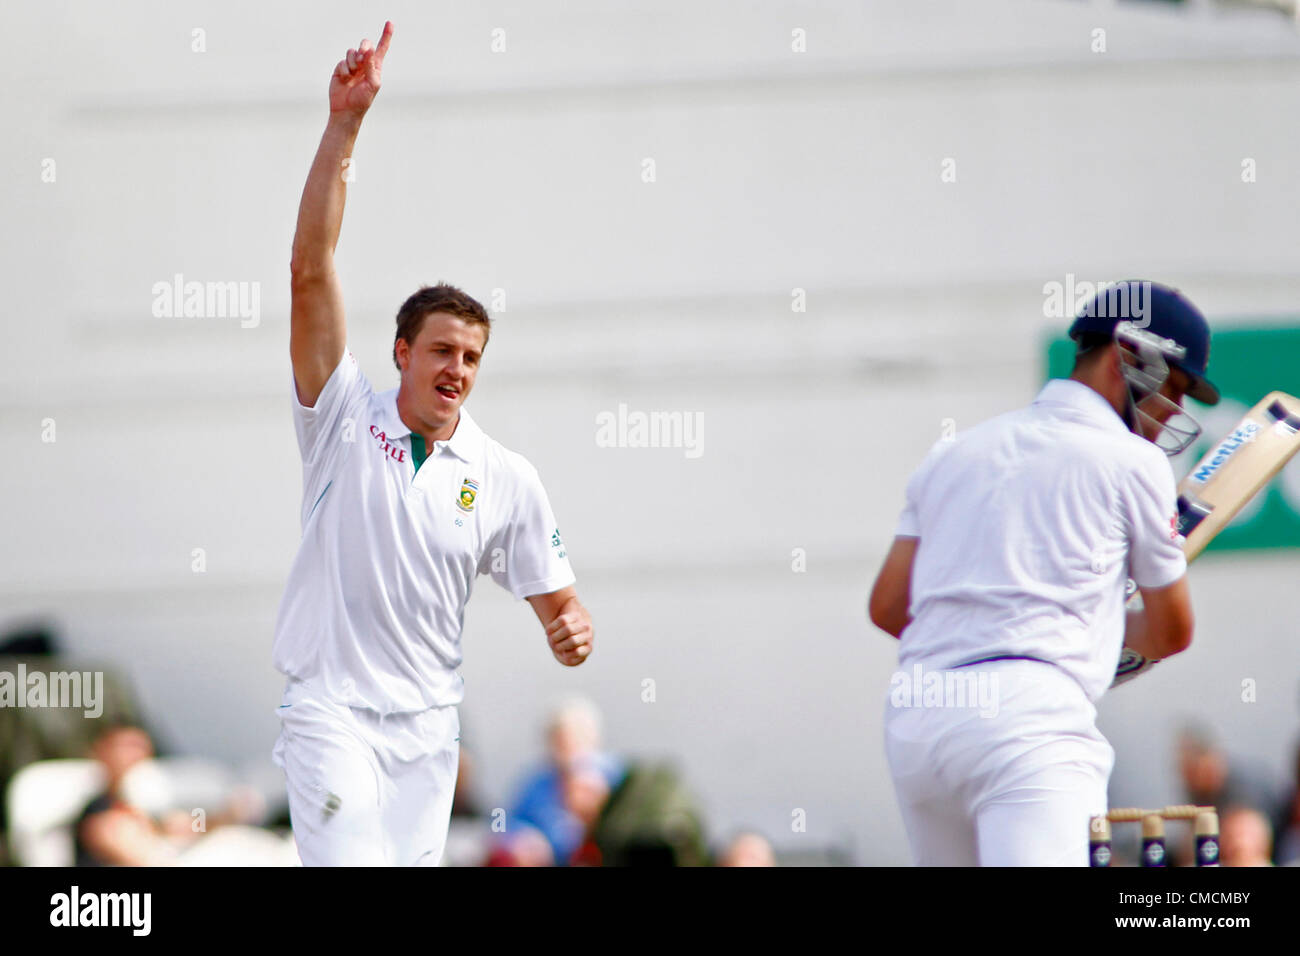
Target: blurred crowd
x: 1257, y: 825
x: 77, y: 790
x: 584, y: 806
x: 1259, y: 822
x: 97, y: 791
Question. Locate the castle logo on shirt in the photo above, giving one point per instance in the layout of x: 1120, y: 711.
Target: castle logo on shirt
x: 386, y: 446
x: 468, y: 492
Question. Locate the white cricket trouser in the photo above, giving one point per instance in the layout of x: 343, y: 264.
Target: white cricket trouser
x: 1014, y: 788
x: 366, y: 789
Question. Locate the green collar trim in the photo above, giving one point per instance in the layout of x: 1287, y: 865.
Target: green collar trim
x: 419, y: 454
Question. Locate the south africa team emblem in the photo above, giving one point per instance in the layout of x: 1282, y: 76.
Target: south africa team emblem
x: 468, y: 492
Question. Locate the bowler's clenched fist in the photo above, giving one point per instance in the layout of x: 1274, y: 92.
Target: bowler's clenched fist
x: 571, y: 636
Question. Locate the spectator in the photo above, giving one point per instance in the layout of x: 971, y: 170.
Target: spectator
x: 585, y: 788
x: 748, y: 849
x: 1287, y: 850
x: 555, y: 798
x: 1211, y: 780
x: 113, y: 832
x: 31, y: 734
x: 524, y: 846
x: 649, y: 819
x: 1245, y: 838
x: 584, y: 792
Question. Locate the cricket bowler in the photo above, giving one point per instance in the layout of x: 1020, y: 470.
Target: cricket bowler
x: 1010, y: 560
x: 405, y: 502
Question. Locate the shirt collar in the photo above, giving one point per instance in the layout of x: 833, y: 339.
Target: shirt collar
x: 1084, y: 401
x: 466, y: 443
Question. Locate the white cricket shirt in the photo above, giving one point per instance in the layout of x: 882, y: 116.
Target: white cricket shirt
x: 376, y: 596
x: 1029, y: 525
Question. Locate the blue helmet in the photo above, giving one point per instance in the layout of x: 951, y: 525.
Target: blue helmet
x: 1161, y: 310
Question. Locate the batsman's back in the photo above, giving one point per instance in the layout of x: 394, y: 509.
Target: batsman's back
x: 1029, y: 524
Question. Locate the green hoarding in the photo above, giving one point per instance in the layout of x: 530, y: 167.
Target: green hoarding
x: 1246, y: 363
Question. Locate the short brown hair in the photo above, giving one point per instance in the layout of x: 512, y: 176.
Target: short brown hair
x: 437, y: 298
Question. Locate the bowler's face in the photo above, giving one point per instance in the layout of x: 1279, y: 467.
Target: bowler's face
x: 439, y: 368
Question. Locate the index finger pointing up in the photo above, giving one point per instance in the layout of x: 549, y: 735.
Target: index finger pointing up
x: 384, y: 40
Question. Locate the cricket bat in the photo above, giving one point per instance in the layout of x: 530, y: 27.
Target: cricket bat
x: 1224, y: 481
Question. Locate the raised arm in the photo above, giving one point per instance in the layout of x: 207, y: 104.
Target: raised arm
x: 318, y: 332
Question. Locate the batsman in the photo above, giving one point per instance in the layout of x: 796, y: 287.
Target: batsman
x: 1011, y: 559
